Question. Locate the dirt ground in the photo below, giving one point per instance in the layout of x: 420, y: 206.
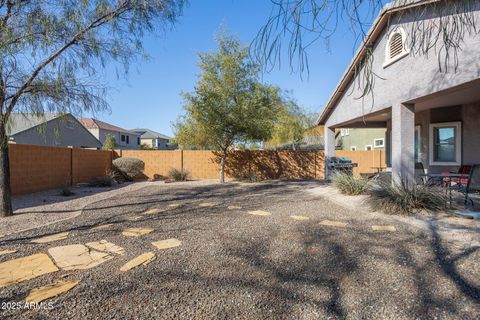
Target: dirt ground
x: 238, y: 253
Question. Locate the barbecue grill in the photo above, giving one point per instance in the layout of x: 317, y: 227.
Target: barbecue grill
x: 340, y: 164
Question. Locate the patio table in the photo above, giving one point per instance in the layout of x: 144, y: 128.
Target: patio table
x: 447, y: 183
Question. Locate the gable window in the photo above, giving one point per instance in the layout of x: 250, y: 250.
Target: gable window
x: 123, y: 138
x: 446, y: 143
x: 368, y: 147
x: 378, y: 143
x: 396, y: 48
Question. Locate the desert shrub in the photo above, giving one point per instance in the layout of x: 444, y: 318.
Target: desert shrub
x: 404, y: 198
x: 349, y: 184
x: 65, y: 190
x: 129, y: 168
x: 178, y: 175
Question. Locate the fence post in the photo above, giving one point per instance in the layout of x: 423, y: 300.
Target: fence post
x: 181, y: 160
x: 71, y: 166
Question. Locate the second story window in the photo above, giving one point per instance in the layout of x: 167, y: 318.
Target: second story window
x: 123, y: 138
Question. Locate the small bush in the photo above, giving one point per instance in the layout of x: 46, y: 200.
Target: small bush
x: 65, y: 190
x: 405, y: 199
x: 178, y: 175
x: 129, y: 168
x: 348, y: 184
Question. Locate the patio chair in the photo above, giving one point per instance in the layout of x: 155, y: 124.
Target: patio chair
x: 464, y: 169
x: 472, y: 186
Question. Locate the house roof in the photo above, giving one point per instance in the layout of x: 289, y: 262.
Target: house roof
x: 150, y: 134
x: 91, y: 123
x: 371, y: 37
x: 19, y: 122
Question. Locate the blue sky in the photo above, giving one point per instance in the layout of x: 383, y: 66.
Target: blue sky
x: 150, y: 95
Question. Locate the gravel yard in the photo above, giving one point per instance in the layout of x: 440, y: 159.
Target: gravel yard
x: 238, y: 253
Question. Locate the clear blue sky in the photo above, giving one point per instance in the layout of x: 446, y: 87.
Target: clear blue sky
x: 150, y: 96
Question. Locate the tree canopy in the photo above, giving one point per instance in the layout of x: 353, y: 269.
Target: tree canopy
x: 229, y: 104
x: 110, y: 142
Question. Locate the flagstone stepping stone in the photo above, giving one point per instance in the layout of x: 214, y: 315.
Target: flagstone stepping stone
x: 142, y: 259
x: 77, y: 257
x: 207, y: 204
x: 384, y: 228
x: 167, y: 244
x: 331, y: 223
x: 153, y: 211
x: 259, y: 213
x: 25, y: 268
x: 234, y: 207
x: 53, y: 237
x: 105, y: 246
x: 8, y: 251
x: 136, y: 232
x: 101, y: 227
x: 299, y: 218
x: 136, y: 218
x: 46, y: 292
x: 174, y: 205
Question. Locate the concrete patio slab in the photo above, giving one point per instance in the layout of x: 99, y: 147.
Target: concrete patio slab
x: 384, y: 228
x: 25, y: 268
x: 46, y: 292
x: 167, y: 244
x: 105, y: 246
x: 51, y: 238
x: 299, y: 218
x: 136, y: 232
x: 142, y: 259
x: 259, y: 213
x: 77, y: 257
x: 4, y: 252
x: 331, y: 223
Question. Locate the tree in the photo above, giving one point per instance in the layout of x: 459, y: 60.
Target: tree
x: 51, y: 51
x: 229, y: 105
x: 297, y: 24
x: 290, y: 125
x: 110, y: 142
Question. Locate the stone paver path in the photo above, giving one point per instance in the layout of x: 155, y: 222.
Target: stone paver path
x: 25, y: 268
x: 77, y: 257
x: 141, y: 260
x: 53, y: 237
x: 43, y: 293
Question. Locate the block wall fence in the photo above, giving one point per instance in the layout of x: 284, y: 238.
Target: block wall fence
x: 36, y: 168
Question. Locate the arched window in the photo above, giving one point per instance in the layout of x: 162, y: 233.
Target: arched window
x: 396, y: 48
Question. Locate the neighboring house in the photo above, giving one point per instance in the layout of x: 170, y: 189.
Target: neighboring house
x: 360, y: 139
x: 430, y: 116
x: 51, y: 129
x: 154, y: 140
x: 125, y: 139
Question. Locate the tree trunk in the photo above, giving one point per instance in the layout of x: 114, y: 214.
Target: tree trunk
x: 222, y: 166
x: 5, y: 191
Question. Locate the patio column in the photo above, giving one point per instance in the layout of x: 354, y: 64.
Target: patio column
x: 329, y: 137
x: 403, y: 143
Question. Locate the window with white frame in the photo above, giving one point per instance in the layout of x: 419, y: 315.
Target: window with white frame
x: 344, y: 132
x: 446, y: 143
x: 379, y: 143
x: 353, y: 148
x: 368, y: 147
x: 396, y: 47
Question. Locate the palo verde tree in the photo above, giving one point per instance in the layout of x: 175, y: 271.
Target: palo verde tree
x: 110, y: 142
x: 51, y: 51
x: 294, y: 25
x: 229, y: 105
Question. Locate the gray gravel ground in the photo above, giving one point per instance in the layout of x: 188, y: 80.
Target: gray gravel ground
x: 235, y: 265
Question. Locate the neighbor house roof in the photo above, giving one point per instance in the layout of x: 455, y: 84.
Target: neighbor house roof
x: 150, y: 134
x: 91, y: 123
x: 373, y: 34
x: 19, y: 122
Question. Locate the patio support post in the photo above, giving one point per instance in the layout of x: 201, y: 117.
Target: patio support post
x: 403, y: 144
x: 329, y: 148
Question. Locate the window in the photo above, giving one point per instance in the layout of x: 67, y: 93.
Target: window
x: 418, y: 144
x: 445, y: 143
x: 123, y: 138
x: 353, y: 148
x: 138, y: 141
x: 344, y: 132
x: 368, y: 147
x: 396, y: 48
x: 128, y: 139
x: 378, y: 143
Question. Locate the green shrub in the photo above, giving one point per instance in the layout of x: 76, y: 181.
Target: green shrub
x: 349, y: 184
x: 404, y: 198
x: 65, y: 190
x: 178, y: 175
x: 129, y: 168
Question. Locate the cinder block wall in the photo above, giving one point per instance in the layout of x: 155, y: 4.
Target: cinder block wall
x: 36, y: 168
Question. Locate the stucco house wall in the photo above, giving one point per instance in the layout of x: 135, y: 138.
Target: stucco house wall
x: 361, y: 138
